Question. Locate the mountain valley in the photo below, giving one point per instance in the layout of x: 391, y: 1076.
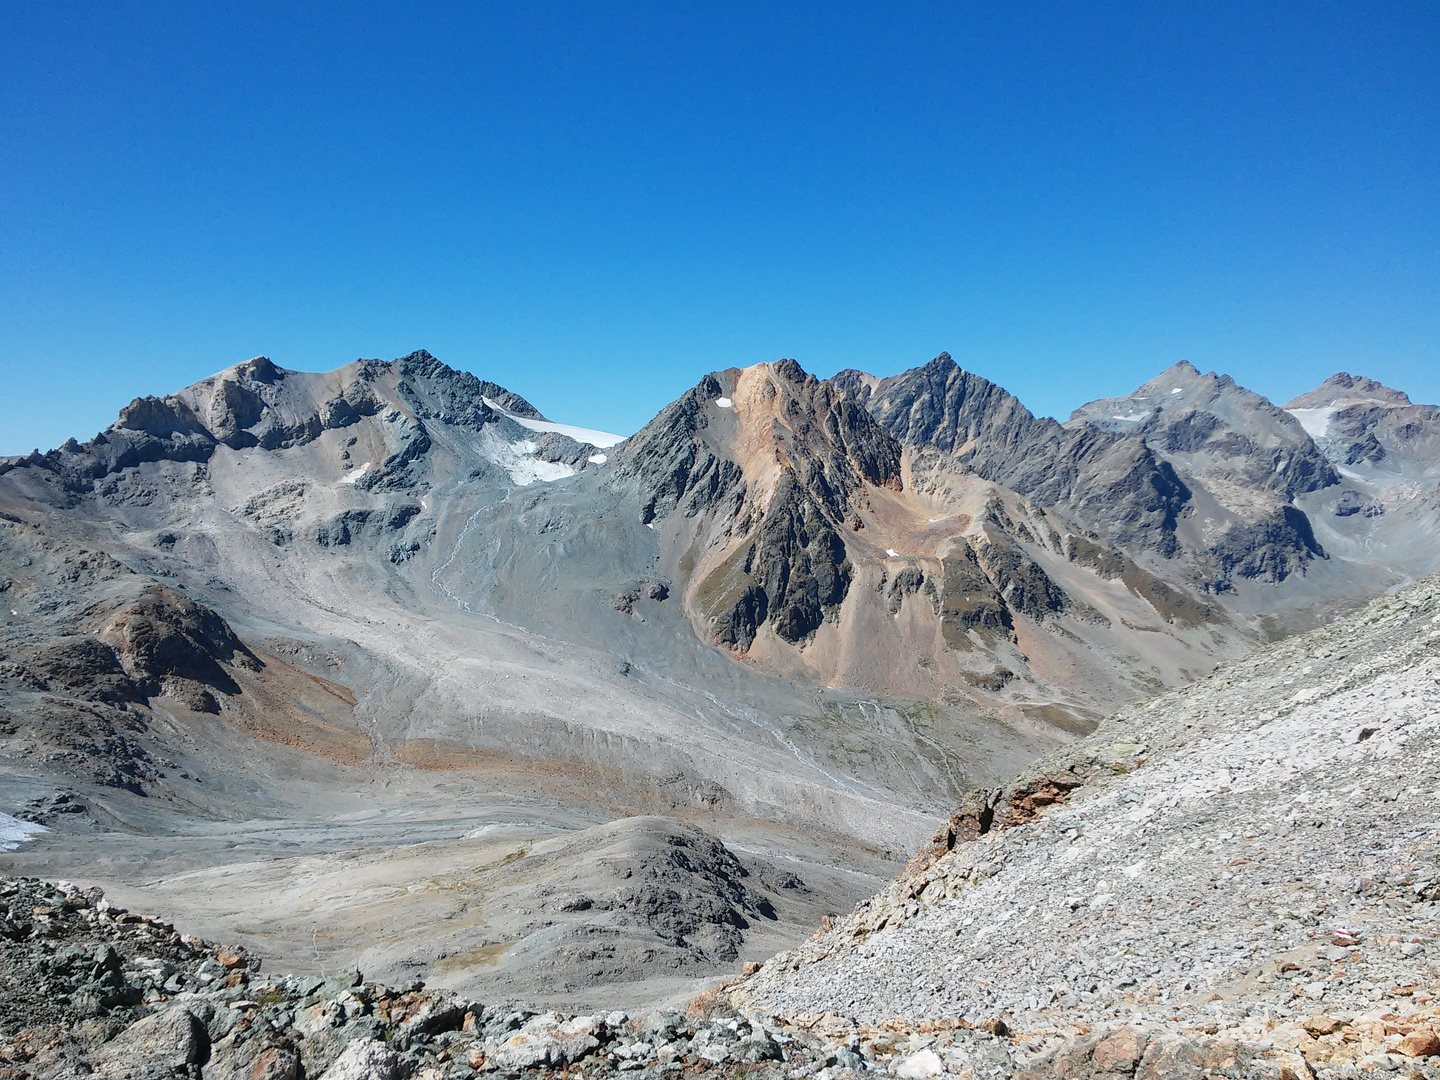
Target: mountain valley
x: 382, y: 667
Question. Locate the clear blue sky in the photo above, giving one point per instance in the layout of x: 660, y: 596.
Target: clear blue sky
x: 594, y: 204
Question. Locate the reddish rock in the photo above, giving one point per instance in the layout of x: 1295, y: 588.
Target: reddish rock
x: 1119, y: 1052
x: 1322, y: 1025
x: 1423, y: 1042
x: 276, y: 1063
x: 1172, y: 1057
x: 230, y: 959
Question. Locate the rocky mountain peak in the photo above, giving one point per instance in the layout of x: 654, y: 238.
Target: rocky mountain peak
x: 1344, y: 388
x: 1180, y: 389
x: 459, y: 395
x: 1371, y: 430
x: 941, y: 404
x: 1249, y: 455
x: 259, y: 369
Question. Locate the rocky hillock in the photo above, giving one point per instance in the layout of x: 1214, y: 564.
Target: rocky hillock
x: 94, y: 990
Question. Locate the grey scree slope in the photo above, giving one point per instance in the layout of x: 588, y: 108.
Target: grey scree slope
x: 1241, y: 855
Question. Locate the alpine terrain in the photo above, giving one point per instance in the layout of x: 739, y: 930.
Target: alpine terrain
x: 381, y: 672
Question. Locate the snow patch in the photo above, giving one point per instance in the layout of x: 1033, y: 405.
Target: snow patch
x: 1316, y: 422
x: 1132, y: 418
x: 724, y: 403
x: 351, y: 477
x: 597, y: 459
x: 892, y: 553
x: 1178, y: 390
x: 519, y: 460
x: 14, y: 832
x: 579, y: 434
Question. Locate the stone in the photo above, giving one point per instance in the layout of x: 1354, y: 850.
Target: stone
x: 1293, y: 1067
x: 920, y: 1066
x: 275, y: 1063
x: 434, y: 1017
x: 366, y: 1059
x: 1322, y: 1025
x: 546, y: 1039
x: 230, y: 959
x: 1171, y: 1057
x: 1423, y: 1042
x: 174, y: 1038
x: 1119, y: 1052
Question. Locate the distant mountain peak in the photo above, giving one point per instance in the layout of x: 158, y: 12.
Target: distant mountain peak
x: 1347, y: 388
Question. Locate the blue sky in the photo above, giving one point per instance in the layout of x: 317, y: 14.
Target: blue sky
x: 594, y: 204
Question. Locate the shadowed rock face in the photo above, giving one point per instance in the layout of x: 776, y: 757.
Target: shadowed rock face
x: 969, y: 599
x: 987, y: 429
x: 789, y: 567
x: 790, y: 574
x: 1273, y: 549
x: 674, y: 462
x: 1370, y: 427
x: 80, y: 666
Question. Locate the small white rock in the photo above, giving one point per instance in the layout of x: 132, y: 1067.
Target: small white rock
x: 920, y: 1065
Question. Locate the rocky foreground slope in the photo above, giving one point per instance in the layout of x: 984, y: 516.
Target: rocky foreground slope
x: 1238, y: 879
x: 1256, y: 857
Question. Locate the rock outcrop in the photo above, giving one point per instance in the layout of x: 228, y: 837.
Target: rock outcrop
x: 1138, y: 497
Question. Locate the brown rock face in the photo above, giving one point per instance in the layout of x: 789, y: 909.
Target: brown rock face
x: 985, y: 811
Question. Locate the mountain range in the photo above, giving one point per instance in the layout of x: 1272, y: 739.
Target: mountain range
x: 261, y: 633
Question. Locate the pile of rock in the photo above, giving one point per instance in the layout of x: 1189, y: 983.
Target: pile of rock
x: 92, y: 989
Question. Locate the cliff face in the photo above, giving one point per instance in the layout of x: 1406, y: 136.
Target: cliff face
x: 772, y: 461
x: 986, y: 430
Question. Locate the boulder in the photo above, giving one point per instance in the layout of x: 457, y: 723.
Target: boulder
x: 366, y: 1059
x: 546, y: 1040
x: 171, y: 1039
